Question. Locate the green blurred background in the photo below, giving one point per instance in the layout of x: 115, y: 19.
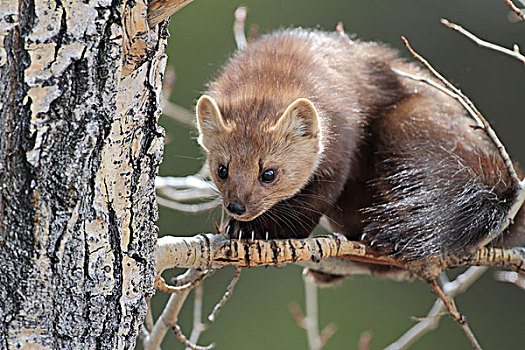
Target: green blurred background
x: 257, y: 316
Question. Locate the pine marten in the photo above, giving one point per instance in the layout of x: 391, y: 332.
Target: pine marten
x: 304, y: 123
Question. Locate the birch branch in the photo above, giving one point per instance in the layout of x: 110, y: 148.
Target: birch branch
x: 431, y: 320
x: 213, y: 251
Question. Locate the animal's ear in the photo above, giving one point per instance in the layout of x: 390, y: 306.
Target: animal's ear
x: 209, y: 119
x: 300, y: 118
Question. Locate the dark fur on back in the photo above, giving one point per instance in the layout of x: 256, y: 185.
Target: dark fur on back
x: 401, y: 165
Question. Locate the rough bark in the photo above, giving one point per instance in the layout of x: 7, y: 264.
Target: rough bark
x: 79, y: 150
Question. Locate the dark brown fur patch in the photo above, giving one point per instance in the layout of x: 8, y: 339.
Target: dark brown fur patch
x: 400, y: 160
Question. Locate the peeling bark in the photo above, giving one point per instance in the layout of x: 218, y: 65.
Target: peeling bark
x: 79, y: 152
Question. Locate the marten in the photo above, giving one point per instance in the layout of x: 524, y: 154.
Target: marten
x: 303, y: 123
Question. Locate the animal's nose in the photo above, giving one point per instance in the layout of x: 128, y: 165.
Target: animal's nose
x: 236, y: 208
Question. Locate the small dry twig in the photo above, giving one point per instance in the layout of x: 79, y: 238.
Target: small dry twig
x: 340, y: 28
x: 149, y: 315
x: 226, y: 295
x: 161, y: 285
x: 182, y: 338
x: 178, y: 113
x: 431, y: 320
x: 238, y: 27
x: 310, y: 321
x: 364, y: 341
x: 482, y: 43
x: 453, y: 310
x: 189, y: 188
x: 511, y: 277
x: 169, y: 315
x: 516, y: 10
x: 198, y: 326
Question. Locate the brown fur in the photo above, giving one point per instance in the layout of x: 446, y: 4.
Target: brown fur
x: 364, y: 147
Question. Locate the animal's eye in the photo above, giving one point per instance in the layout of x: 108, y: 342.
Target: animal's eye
x: 222, y: 172
x: 268, y: 176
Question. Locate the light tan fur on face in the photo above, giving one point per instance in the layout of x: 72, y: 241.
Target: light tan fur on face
x: 291, y: 145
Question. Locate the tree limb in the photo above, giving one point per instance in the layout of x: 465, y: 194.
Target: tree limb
x: 159, y: 10
x: 431, y: 320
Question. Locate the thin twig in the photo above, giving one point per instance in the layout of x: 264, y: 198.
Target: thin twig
x: 516, y: 10
x: 189, y: 208
x: 364, y: 341
x: 484, y: 125
x: 187, y: 343
x: 190, y: 194
x: 238, y: 27
x: 161, y: 285
x: 511, y: 277
x: 453, y: 310
x: 149, y: 315
x: 309, y: 322
x: 178, y: 113
x: 226, y: 295
x: 159, y: 10
x: 482, y: 43
x: 340, y: 28
x: 169, y: 315
x: 431, y: 321
x: 192, y: 181
x: 198, y: 326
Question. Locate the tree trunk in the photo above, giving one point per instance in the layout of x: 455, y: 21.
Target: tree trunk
x: 79, y: 151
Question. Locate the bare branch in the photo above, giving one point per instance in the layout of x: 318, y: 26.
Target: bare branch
x: 238, y: 27
x: 511, y: 277
x: 189, y: 188
x: 178, y: 113
x: 169, y: 315
x: 513, y: 53
x: 453, y: 310
x: 189, y: 208
x: 431, y: 321
x: 149, y: 316
x: 188, y: 343
x: 198, y: 326
x: 343, y: 267
x: 516, y: 10
x: 213, y: 251
x: 340, y: 28
x: 159, y: 10
x: 161, y: 285
x: 309, y: 322
x: 192, y: 181
x: 226, y: 295
x: 364, y: 340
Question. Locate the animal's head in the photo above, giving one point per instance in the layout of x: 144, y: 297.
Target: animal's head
x: 258, y: 162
